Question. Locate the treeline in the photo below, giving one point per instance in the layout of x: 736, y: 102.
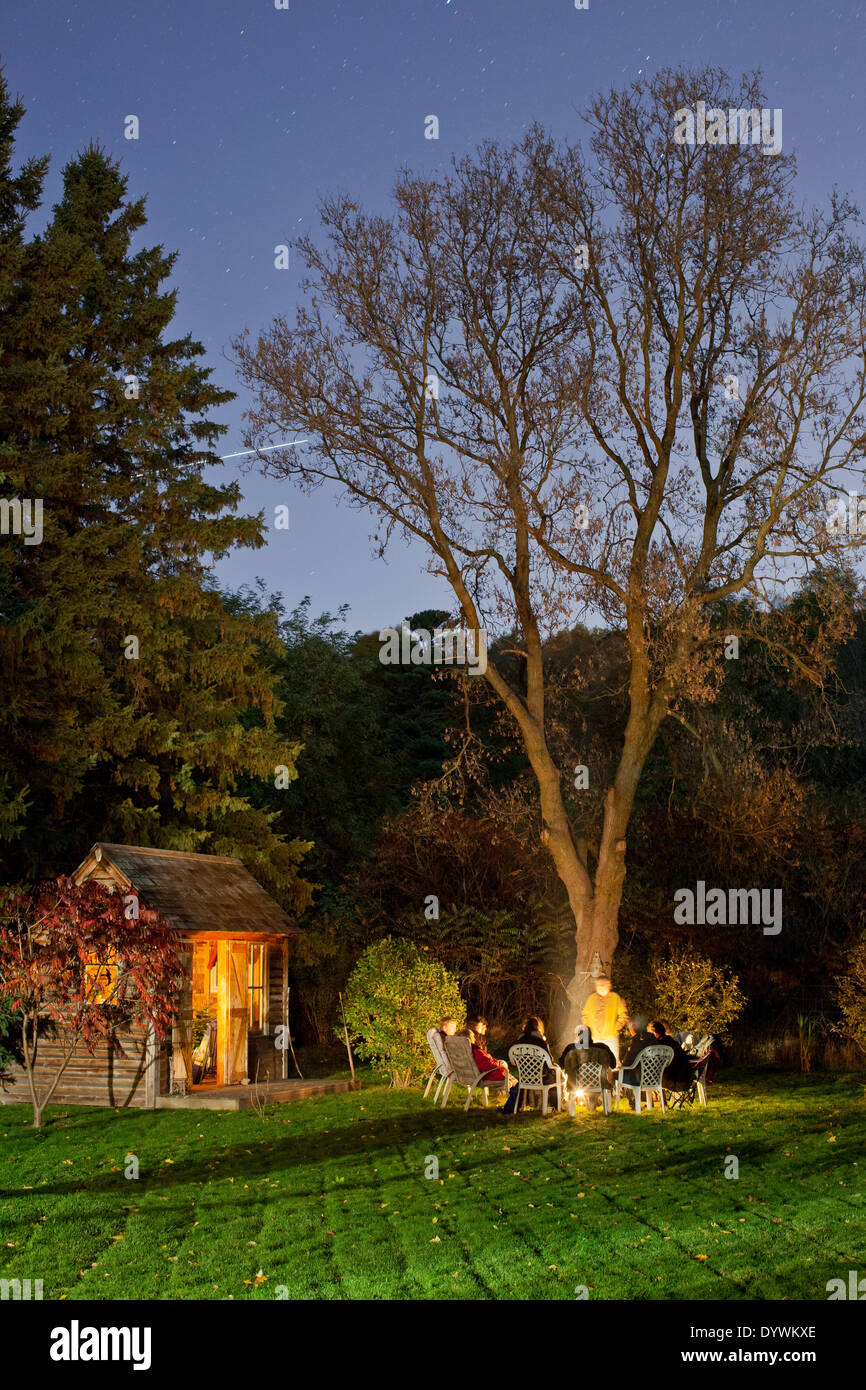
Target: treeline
x: 761, y: 783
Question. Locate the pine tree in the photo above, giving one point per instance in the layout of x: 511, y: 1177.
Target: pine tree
x: 19, y: 195
x: 125, y: 677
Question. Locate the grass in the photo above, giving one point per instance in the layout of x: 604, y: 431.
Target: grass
x: 328, y: 1199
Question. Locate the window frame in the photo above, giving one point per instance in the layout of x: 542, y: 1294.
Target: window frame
x: 261, y: 988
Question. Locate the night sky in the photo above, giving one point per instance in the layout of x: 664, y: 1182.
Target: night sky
x: 249, y: 115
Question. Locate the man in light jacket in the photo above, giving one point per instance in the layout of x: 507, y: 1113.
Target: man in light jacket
x: 604, y: 1013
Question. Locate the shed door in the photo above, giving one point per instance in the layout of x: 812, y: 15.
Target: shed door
x: 233, y: 1011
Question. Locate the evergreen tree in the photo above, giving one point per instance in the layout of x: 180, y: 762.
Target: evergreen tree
x: 125, y: 677
x: 19, y: 195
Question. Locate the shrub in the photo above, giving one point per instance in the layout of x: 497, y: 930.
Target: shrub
x: 851, y: 995
x: 394, y: 994
x: 694, y: 994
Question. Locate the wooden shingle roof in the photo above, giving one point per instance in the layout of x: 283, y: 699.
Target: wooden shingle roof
x: 195, y: 892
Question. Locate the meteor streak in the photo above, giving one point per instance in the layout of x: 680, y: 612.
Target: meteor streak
x: 289, y: 445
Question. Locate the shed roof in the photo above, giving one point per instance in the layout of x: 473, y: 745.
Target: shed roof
x: 194, y: 892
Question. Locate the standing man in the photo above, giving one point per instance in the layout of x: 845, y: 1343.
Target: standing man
x: 604, y: 1013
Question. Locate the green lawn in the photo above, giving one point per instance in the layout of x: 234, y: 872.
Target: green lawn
x: 328, y: 1198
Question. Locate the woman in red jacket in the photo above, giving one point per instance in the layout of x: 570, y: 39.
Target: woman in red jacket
x: 476, y: 1031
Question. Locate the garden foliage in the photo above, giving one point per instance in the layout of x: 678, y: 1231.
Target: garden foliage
x: 395, y: 993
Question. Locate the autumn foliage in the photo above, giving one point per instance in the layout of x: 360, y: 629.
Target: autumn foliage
x: 72, y: 961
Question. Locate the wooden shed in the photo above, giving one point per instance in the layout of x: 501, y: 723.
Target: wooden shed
x: 234, y: 941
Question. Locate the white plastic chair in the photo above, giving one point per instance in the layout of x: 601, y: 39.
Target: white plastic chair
x: 701, y: 1080
x: 464, y: 1072
x: 652, y: 1062
x: 442, y: 1068
x: 588, y: 1082
x: 529, y: 1062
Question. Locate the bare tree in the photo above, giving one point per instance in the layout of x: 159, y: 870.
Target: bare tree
x: 617, y: 384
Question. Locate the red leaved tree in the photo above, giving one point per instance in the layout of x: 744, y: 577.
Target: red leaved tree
x: 86, y: 963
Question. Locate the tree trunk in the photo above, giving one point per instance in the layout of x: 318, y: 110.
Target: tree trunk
x: 597, y: 929
x: 30, y: 1066
x: 594, y: 900
x: 570, y: 867
x: 39, y: 1102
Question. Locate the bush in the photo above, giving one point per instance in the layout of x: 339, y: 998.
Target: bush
x: 851, y: 995
x: 695, y: 995
x: 394, y: 994
x: 9, y: 1027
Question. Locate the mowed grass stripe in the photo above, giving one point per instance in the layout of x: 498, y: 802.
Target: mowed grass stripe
x: 328, y: 1199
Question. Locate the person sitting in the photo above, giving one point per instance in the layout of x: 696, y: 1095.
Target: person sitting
x: 585, y: 1049
x: 476, y: 1031
x: 533, y: 1034
x: 706, y: 1054
x: 680, y: 1072
x: 447, y: 1027
x: 638, y: 1039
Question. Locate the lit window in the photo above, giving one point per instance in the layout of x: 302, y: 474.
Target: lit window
x: 258, y: 987
x: 101, y: 978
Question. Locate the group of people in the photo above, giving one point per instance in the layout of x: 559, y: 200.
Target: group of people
x: 596, y: 1039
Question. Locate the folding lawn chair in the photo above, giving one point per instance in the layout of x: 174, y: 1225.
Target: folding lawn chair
x: 442, y: 1068
x: 464, y: 1072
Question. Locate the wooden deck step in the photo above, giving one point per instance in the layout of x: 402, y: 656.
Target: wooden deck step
x: 243, y: 1097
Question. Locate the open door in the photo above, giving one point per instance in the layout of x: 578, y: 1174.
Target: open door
x: 233, y: 1017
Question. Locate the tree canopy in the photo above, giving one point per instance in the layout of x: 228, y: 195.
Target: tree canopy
x: 619, y: 381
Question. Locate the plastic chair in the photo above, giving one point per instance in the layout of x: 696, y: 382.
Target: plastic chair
x: 700, y: 1082
x: 652, y: 1062
x: 529, y: 1062
x: 464, y: 1072
x: 588, y: 1082
x: 442, y: 1068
